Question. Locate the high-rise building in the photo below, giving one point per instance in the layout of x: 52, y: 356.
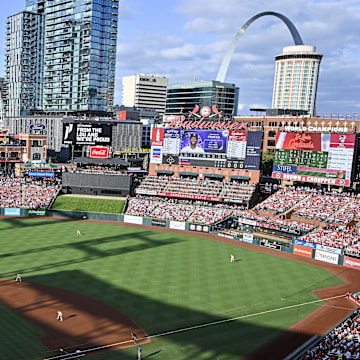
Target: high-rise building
x: 66, y: 52
x: 145, y: 92
x: 183, y: 98
x: 296, y: 78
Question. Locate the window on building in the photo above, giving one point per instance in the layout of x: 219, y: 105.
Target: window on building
x: 272, y: 133
x: 36, y: 156
x: 271, y: 142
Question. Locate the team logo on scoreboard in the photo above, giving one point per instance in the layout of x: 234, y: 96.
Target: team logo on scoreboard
x: 342, y: 182
x: 170, y: 160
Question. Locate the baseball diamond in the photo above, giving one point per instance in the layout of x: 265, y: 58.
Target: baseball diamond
x: 177, y: 291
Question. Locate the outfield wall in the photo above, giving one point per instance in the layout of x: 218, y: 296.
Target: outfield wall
x: 298, y: 247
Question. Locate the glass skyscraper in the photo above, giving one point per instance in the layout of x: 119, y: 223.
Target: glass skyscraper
x: 182, y: 98
x: 72, y: 52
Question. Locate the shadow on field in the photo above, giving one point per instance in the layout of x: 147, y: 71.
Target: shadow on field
x: 23, y: 222
x: 87, y: 247
x: 231, y: 339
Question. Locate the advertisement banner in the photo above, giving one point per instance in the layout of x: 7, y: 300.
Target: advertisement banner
x: 187, y: 196
x: 253, y: 150
x: 351, y: 262
x: 270, y: 245
x: 87, y: 134
x: 303, y: 141
x: 156, y: 155
x: 39, y: 212
x: 312, y: 179
x: 138, y: 220
x: 248, y: 238
x: 158, y: 222
x: 11, y: 212
x: 326, y: 256
x: 304, y: 243
x: 177, y: 225
x: 99, y: 152
x: 157, y: 137
x: 44, y: 174
x: 328, y: 249
x: 303, y: 251
x: 145, y: 192
x: 247, y: 222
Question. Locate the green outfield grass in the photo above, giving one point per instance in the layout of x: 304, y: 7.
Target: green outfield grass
x: 88, y: 204
x: 164, y: 281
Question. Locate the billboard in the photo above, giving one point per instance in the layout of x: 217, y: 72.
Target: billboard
x: 87, y: 134
x: 99, y: 152
x: 235, y: 149
x: 314, y: 157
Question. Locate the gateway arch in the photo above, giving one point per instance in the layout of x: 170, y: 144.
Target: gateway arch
x: 227, y: 58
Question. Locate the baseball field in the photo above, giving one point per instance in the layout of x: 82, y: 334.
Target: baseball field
x: 178, y: 288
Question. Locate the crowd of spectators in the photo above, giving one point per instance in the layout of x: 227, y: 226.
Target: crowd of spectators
x: 334, y: 236
x: 18, y: 193
x: 280, y: 222
x: 229, y: 191
x: 347, y: 213
x: 200, y: 212
x: 283, y: 200
x: 99, y: 170
x: 320, y: 207
x: 343, y: 342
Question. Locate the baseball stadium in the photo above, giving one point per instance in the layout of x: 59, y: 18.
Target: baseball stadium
x: 199, y: 256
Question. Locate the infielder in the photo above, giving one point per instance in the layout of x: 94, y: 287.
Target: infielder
x: 18, y: 277
x: 60, y: 315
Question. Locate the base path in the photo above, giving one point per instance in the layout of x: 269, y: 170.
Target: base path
x: 87, y: 323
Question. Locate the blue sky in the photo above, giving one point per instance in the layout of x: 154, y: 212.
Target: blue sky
x: 181, y: 39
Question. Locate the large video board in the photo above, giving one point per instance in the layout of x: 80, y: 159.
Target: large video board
x: 207, y: 148
x: 87, y: 134
x: 314, y: 157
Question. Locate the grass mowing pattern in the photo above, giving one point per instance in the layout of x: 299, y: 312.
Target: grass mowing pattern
x: 88, y: 204
x: 164, y: 281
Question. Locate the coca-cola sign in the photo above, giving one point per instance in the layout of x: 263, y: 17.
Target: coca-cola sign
x: 98, y: 152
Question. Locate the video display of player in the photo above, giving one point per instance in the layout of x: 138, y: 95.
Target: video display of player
x: 201, y: 142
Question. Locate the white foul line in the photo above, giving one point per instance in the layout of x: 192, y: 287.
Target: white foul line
x: 199, y: 326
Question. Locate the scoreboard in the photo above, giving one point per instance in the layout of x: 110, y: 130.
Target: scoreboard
x: 314, y: 157
x: 207, y: 148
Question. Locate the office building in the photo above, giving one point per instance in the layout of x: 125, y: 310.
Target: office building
x: 66, y: 52
x: 145, y: 92
x: 296, y: 78
x: 182, y: 98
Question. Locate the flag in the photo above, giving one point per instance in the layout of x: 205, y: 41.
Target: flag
x: 326, y: 115
x: 340, y: 116
x: 348, y: 116
x: 356, y: 115
x: 333, y: 115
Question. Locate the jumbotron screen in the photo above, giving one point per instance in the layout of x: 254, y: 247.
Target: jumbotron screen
x: 207, y: 148
x: 314, y: 157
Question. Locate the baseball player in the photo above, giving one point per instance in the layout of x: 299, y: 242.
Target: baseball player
x: 139, y: 353
x: 78, y: 233
x: 60, y: 315
x: 232, y: 258
x: 18, y: 277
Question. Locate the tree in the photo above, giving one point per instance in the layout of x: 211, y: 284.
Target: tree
x: 267, y: 161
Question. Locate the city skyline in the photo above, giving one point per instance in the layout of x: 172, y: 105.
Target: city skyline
x: 186, y: 39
